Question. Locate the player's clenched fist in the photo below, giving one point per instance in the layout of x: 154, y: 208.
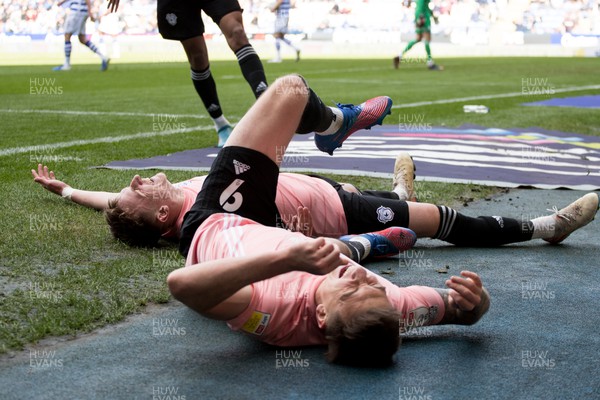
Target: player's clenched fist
x: 466, y: 291
x: 314, y: 256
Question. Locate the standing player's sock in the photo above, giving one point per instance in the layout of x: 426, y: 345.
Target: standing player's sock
x: 252, y: 69
x: 221, y: 122
x: 408, y: 47
x: 95, y: 49
x: 287, y: 41
x: 428, y: 51
x: 461, y: 230
x: 278, y: 48
x: 206, y: 88
x: 67, y: 53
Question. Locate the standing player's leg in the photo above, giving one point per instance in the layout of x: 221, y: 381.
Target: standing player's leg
x: 290, y: 44
x: 277, y: 36
x: 409, y: 46
x: 181, y: 20
x: 205, y: 85
x: 85, y: 41
x: 67, y: 64
x: 426, y: 40
x: 232, y: 27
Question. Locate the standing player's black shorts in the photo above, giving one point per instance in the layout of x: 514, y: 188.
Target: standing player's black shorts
x: 241, y: 181
x: 181, y: 20
x: 370, y: 211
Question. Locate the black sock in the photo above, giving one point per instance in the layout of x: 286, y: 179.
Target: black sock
x: 357, y: 249
x: 207, y: 90
x: 461, y: 230
x: 252, y: 69
x: 317, y: 117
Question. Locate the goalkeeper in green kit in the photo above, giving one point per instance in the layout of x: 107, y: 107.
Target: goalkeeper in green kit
x: 423, y: 17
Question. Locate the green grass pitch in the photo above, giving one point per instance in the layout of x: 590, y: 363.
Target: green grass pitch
x: 60, y: 271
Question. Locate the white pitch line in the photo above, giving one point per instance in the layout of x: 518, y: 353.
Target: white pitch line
x: 113, y: 113
x: 490, y: 96
x: 107, y: 139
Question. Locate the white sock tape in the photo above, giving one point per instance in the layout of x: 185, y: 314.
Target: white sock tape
x: 67, y: 192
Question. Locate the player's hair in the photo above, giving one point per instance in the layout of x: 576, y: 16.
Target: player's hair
x: 130, y: 228
x: 368, y: 338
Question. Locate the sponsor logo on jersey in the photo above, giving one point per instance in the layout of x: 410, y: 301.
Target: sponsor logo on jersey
x: 384, y: 214
x: 257, y: 323
x: 240, y: 168
x: 171, y: 19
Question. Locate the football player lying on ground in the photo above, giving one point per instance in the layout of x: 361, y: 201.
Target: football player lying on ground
x: 150, y: 208
x: 153, y: 208
x: 285, y: 288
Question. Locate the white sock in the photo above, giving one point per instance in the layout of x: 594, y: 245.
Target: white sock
x: 543, y: 227
x: 220, y: 122
x: 336, y: 123
x: 365, y: 242
x: 401, y: 192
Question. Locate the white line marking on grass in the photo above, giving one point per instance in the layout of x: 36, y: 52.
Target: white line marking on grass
x: 107, y: 139
x: 490, y: 96
x: 352, y: 81
x: 113, y: 113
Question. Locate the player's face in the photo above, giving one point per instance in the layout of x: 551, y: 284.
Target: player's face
x: 351, y: 287
x: 146, y: 193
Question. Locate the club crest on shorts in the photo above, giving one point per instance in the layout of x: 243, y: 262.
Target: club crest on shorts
x: 384, y: 214
x: 171, y: 19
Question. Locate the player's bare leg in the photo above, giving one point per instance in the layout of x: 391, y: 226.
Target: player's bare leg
x: 290, y: 106
x: 270, y: 124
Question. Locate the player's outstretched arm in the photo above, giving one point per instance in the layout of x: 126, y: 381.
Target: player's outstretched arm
x: 466, y: 299
x: 95, y: 200
x: 220, y: 289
